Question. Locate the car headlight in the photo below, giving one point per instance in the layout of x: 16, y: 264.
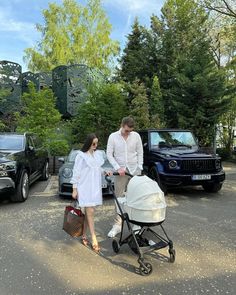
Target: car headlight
x: 11, y: 165
x: 172, y: 164
x: 218, y: 164
x: 67, y: 172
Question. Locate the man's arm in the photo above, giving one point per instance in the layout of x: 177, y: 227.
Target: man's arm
x: 140, y: 152
x: 110, y: 152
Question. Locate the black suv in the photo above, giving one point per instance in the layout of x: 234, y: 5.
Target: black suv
x: 22, y: 161
x: 172, y: 157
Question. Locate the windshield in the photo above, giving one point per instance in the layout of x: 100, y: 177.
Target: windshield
x: 72, y: 156
x: 11, y: 142
x: 169, y: 139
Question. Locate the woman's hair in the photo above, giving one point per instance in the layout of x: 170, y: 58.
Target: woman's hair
x: 88, y: 142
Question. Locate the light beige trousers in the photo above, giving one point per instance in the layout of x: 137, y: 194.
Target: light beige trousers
x: 120, y: 184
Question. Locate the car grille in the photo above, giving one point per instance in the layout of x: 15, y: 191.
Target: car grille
x: 201, y: 165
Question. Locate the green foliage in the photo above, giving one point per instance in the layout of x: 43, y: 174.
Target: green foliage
x: 40, y: 116
x: 192, y: 84
x: 224, y: 153
x: 156, y: 105
x: 73, y: 34
x: 101, y: 113
x: 137, y: 61
x: 3, y: 94
x: 138, y: 104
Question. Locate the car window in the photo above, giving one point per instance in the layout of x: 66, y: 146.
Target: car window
x: 172, y: 138
x: 11, y: 142
x: 72, y: 155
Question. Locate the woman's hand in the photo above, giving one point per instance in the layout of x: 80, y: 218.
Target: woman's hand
x: 75, y: 194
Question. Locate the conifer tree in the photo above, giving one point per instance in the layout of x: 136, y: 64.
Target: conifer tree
x: 156, y: 106
x: 139, y: 105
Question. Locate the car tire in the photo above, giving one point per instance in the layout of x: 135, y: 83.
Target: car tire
x: 45, y: 173
x: 212, y: 187
x: 153, y: 174
x: 22, y: 189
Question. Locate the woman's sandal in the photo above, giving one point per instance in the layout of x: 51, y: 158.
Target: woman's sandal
x: 85, y: 241
x: 96, y: 248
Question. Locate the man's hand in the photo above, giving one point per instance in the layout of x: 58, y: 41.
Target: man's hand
x: 121, y: 171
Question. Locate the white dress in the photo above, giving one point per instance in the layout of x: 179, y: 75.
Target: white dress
x: 87, y: 177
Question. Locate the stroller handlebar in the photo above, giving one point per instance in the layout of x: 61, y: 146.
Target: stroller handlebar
x: 108, y: 179
x: 126, y: 173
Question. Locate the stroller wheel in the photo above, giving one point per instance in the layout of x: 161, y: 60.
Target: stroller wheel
x: 115, y: 246
x: 145, y: 269
x: 172, y: 255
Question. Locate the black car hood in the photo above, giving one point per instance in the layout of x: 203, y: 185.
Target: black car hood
x: 177, y: 153
x: 7, y: 155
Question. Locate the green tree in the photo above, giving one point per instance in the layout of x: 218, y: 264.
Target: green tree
x: 40, y: 116
x: 72, y: 34
x: 137, y: 61
x: 101, y: 113
x: 156, y: 105
x: 224, y: 7
x: 192, y: 84
x: 3, y: 94
x: 139, y: 109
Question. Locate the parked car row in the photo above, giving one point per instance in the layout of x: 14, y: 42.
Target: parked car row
x: 23, y: 160
x: 172, y: 157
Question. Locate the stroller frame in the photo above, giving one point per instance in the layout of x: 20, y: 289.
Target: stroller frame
x: 136, y: 238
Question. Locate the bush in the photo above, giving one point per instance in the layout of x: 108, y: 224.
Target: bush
x: 58, y: 147
x: 224, y: 153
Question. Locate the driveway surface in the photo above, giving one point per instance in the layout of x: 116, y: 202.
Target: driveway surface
x: 38, y: 257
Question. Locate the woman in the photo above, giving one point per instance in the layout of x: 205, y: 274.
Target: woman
x: 87, y: 186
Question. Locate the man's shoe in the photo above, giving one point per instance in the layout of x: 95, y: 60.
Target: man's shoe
x: 116, y: 229
x: 151, y: 243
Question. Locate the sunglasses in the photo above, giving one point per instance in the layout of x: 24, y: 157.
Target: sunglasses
x: 94, y: 143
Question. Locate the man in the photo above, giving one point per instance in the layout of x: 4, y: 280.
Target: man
x: 125, y: 153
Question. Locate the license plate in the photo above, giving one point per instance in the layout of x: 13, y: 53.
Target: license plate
x: 201, y: 177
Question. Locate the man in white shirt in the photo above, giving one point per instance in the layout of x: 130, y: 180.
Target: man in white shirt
x: 125, y: 153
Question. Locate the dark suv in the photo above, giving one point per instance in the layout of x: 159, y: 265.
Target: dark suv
x: 172, y: 157
x: 22, y: 161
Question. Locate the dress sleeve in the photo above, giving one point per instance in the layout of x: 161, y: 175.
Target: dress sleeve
x: 76, y: 170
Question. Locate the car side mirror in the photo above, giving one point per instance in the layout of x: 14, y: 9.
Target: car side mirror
x: 61, y: 159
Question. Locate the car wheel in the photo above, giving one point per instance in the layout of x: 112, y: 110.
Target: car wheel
x: 22, y: 189
x: 153, y: 174
x: 45, y: 174
x: 212, y: 187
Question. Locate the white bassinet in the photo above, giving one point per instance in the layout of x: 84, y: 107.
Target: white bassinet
x: 144, y: 201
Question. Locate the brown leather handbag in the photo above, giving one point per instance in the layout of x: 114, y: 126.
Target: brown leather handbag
x: 73, y: 221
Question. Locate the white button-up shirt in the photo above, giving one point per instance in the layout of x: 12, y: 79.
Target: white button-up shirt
x: 127, y: 153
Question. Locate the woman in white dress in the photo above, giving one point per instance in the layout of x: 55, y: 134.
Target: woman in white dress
x: 87, y: 186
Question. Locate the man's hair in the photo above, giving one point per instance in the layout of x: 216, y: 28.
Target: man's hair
x: 128, y: 121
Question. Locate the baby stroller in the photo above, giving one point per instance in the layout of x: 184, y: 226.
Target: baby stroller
x: 143, y: 208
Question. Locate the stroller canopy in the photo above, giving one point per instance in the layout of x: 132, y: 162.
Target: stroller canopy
x: 143, y: 193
